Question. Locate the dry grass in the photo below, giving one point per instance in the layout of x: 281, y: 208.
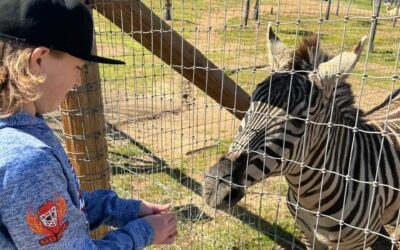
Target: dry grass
x: 159, y: 119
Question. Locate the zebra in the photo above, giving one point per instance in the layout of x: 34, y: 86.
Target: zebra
x: 341, y: 164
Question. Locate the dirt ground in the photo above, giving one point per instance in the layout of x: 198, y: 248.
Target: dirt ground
x: 185, y: 132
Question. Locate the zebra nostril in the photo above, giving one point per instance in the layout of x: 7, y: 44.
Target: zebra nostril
x: 233, y: 197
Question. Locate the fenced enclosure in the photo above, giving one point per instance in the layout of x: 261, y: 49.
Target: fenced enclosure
x: 163, y: 132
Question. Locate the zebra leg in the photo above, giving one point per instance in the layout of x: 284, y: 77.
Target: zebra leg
x: 310, y: 243
x: 316, y: 246
x: 382, y: 242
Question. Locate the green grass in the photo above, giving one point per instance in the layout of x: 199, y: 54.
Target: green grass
x: 201, y: 159
x: 204, y: 228
x: 129, y: 150
x: 230, y: 47
x: 125, y: 48
x: 364, y: 4
x: 147, y: 68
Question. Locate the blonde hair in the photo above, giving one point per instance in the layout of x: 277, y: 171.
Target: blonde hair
x: 18, y: 85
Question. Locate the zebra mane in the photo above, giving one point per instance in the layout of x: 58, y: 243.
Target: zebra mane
x: 308, y: 56
x: 345, y: 103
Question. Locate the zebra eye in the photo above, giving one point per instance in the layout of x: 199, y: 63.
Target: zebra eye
x: 297, y: 122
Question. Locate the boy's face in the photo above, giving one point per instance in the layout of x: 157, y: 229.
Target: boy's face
x: 61, y: 74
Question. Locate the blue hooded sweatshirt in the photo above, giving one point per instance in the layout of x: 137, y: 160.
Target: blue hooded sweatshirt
x: 41, y: 204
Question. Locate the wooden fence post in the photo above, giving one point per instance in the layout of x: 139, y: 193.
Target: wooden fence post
x: 84, y: 129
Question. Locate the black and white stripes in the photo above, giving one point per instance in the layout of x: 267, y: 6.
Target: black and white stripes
x: 342, y: 166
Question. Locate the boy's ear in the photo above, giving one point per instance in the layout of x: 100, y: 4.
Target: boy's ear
x: 37, y: 57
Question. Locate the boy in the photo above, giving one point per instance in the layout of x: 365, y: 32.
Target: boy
x: 43, y: 46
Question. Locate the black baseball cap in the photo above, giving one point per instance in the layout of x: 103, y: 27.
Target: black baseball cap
x: 64, y: 25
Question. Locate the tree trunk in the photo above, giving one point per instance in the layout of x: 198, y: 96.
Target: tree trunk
x: 397, y: 13
x: 377, y: 7
x: 246, y: 12
x: 256, y: 10
x: 337, y: 7
x: 167, y: 10
x: 328, y: 9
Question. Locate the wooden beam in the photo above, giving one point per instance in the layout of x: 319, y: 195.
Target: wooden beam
x: 137, y: 20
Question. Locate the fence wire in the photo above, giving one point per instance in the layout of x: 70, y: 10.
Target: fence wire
x: 164, y: 133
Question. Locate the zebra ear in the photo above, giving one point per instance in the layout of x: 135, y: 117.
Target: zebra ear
x: 278, y: 54
x: 343, y: 63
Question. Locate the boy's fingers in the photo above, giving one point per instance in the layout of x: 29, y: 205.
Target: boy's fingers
x: 173, y: 236
x: 167, y: 217
x: 172, y: 230
x: 161, y: 208
x: 169, y: 240
x: 165, y: 207
x: 173, y: 224
x: 172, y: 219
x: 164, y: 241
x: 174, y: 233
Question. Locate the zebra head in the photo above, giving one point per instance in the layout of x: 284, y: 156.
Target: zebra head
x: 298, y: 90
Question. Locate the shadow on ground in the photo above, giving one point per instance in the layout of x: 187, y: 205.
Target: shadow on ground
x: 193, y: 213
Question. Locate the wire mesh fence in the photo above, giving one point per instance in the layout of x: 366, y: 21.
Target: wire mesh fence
x: 164, y: 133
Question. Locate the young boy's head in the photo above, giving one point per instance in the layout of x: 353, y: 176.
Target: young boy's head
x: 43, y: 46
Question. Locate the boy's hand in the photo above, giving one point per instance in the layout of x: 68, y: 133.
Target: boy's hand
x: 147, y: 208
x: 170, y: 239
x: 164, y: 227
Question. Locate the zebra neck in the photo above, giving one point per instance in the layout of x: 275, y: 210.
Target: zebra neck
x: 304, y: 177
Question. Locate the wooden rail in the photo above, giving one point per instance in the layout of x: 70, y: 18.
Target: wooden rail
x: 137, y: 20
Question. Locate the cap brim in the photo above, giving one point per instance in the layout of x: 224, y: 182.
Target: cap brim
x: 99, y: 59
